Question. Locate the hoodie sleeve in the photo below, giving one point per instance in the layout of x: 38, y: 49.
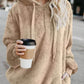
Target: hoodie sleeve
x: 11, y: 34
x: 71, y: 65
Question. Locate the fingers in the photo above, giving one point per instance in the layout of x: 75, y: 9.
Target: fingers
x: 20, y: 49
x: 18, y: 46
x: 17, y: 53
x: 64, y: 76
x: 19, y: 42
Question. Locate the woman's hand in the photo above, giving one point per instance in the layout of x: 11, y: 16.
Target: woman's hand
x: 20, y: 49
x: 64, y: 75
x: 67, y: 73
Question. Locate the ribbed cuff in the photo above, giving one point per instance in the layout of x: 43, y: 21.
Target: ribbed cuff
x: 72, y: 65
x: 14, y: 53
x: 69, y: 71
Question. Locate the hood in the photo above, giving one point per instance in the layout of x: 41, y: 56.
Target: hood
x: 32, y: 1
x: 35, y: 2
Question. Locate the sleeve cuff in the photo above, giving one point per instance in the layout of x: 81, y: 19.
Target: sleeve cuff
x: 71, y: 65
x: 69, y: 71
x: 14, y: 53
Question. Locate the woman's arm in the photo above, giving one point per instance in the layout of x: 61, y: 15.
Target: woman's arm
x: 71, y: 65
x: 11, y: 34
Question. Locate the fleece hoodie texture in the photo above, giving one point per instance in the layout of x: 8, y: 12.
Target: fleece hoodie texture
x: 29, y: 19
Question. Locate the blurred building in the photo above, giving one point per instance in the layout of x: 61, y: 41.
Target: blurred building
x: 78, y: 6
x: 6, y: 3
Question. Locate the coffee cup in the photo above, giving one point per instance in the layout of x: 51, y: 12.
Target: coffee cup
x: 27, y: 58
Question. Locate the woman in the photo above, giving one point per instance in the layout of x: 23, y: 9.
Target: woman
x: 52, y: 23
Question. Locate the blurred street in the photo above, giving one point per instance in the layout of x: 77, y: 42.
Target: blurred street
x: 78, y: 49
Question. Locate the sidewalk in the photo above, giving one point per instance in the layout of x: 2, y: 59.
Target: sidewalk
x: 78, y: 49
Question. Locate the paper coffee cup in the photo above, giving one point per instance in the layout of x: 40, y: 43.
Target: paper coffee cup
x: 27, y: 58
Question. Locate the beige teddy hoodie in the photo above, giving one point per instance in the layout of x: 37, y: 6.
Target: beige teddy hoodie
x: 30, y: 19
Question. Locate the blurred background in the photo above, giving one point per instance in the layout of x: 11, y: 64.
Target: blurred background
x: 78, y: 39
